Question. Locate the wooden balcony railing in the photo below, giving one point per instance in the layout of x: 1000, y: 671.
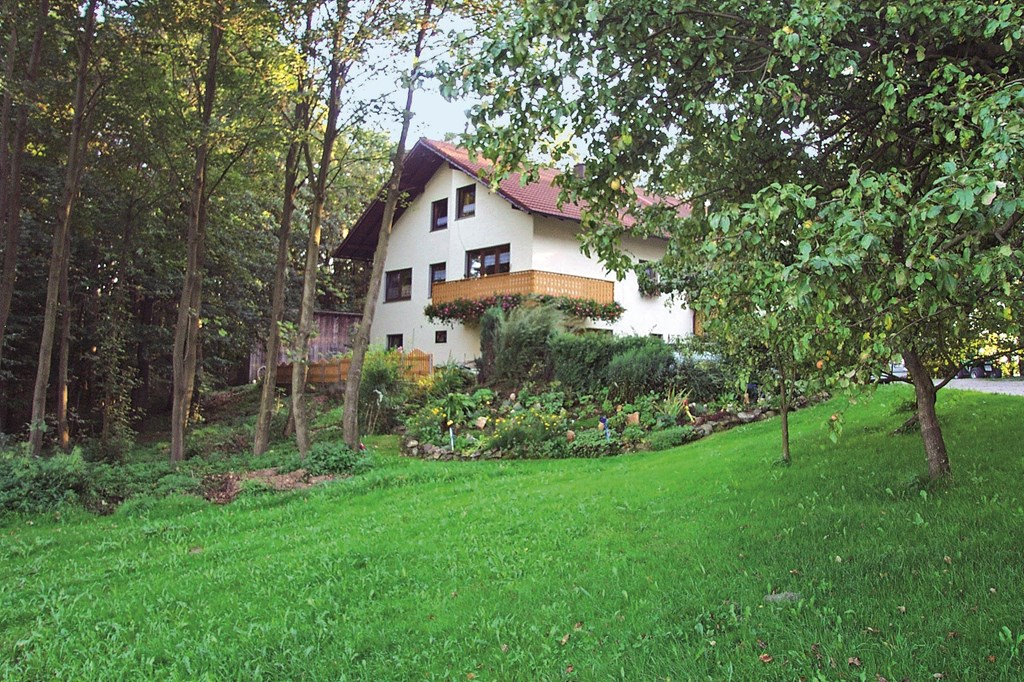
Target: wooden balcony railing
x: 525, y: 283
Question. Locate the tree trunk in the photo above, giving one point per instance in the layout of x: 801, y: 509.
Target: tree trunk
x: 63, y: 429
x: 72, y: 175
x: 350, y: 418
x: 784, y: 412
x: 931, y: 431
x: 268, y: 393
x: 336, y: 81
x: 186, y: 328
x: 269, y: 388
x: 143, y: 319
x: 12, y: 153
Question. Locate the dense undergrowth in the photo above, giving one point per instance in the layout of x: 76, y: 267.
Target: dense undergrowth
x: 647, y: 566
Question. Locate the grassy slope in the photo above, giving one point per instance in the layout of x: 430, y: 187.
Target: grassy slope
x: 654, y: 565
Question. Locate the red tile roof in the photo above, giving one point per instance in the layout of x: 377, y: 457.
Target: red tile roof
x: 539, y: 196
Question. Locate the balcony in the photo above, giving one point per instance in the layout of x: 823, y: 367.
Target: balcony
x: 525, y: 283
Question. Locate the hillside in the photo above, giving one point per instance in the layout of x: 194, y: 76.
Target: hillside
x: 642, y: 567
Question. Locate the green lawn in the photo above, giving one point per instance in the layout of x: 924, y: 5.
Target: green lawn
x: 643, y: 567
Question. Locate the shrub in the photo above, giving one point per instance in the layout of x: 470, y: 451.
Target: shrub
x: 704, y: 372
x: 177, y: 483
x: 446, y: 379
x: 644, y: 369
x: 35, y: 485
x: 336, y: 458
x: 593, y: 443
x: 382, y: 391
x: 702, y: 380
x: 521, y: 350
x: 491, y: 324
x: 633, y: 437
x: 581, y: 361
x: 670, y: 437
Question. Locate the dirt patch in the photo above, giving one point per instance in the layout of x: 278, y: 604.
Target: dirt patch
x: 224, y: 488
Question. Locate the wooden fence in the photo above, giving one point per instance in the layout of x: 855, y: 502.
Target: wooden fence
x: 416, y: 364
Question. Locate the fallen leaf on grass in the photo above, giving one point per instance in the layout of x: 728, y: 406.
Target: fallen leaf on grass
x: 504, y: 648
x: 470, y: 676
x: 871, y: 631
x: 565, y: 640
x: 766, y: 658
x: 939, y: 676
x: 901, y: 609
x: 952, y: 634
x: 990, y: 659
x: 947, y: 560
x: 569, y: 669
x: 195, y: 550
x: 854, y: 661
x: 879, y: 678
x: 578, y: 626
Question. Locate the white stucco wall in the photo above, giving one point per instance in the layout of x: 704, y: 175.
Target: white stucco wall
x: 414, y: 246
x: 555, y: 248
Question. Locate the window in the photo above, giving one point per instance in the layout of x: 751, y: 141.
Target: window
x: 490, y: 261
x: 465, y: 202
x: 439, y: 215
x: 438, y: 273
x: 441, y: 336
x: 647, y: 278
x: 394, y: 341
x: 398, y: 285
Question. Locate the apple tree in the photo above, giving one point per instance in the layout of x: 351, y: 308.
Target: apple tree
x: 859, y: 162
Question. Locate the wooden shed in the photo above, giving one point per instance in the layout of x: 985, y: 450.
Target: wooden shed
x: 334, y: 336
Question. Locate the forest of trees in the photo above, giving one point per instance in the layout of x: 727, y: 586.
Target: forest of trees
x: 161, y: 165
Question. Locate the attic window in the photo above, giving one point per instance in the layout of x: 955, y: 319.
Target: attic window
x: 465, y: 202
x: 439, y: 215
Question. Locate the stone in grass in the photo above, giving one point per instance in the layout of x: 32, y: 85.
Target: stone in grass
x: 782, y: 597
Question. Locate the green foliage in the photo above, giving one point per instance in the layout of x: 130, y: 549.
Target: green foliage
x: 445, y: 379
x: 383, y: 391
x: 521, y: 344
x: 670, y: 437
x: 592, y: 443
x: 42, y: 484
x: 491, y: 324
x: 335, y: 457
x: 859, y: 197
x: 581, y: 361
x: 703, y: 377
x: 33, y: 485
x: 643, y: 369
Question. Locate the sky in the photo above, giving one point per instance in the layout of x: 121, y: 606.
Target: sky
x: 434, y: 117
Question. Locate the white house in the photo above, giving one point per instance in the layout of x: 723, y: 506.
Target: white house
x: 456, y: 239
